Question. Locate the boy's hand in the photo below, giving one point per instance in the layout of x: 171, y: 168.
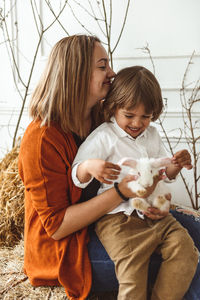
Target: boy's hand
x: 102, y: 170
x: 182, y: 159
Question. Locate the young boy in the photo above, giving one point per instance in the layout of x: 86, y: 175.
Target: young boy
x: 133, y: 101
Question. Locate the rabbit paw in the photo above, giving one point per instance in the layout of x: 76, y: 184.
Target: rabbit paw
x: 141, y: 193
x: 161, y: 203
x: 138, y: 189
x: 140, y: 204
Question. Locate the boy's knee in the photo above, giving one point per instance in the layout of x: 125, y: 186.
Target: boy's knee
x: 195, y: 256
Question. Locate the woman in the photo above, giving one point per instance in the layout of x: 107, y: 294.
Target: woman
x: 65, y: 108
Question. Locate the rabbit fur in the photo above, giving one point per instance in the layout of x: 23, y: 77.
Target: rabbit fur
x: 145, y: 170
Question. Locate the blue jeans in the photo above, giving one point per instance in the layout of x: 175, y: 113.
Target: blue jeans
x: 103, y: 270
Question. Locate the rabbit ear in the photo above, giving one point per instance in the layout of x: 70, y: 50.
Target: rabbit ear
x: 161, y: 162
x: 127, y: 161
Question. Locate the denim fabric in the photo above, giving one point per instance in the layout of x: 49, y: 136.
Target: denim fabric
x: 104, y: 278
x: 103, y: 269
x: 194, y: 291
x: 191, y: 223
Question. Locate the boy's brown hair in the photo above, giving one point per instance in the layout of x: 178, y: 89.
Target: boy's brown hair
x: 133, y: 86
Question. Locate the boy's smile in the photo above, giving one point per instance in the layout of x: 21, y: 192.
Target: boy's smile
x: 133, y: 121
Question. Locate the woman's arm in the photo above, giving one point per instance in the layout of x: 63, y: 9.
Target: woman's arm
x: 80, y: 215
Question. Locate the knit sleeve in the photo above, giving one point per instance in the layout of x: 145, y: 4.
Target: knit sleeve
x: 47, y: 176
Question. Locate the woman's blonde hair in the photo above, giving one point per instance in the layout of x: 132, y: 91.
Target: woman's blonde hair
x: 62, y: 92
x: 133, y: 86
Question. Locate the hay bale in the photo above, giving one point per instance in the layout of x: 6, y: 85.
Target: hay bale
x: 11, y: 200
x: 14, y: 284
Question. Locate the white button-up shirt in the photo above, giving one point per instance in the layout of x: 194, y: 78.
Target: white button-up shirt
x: 111, y: 143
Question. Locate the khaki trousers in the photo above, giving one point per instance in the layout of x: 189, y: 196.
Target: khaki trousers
x: 130, y: 241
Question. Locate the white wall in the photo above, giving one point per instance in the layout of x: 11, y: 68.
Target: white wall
x: 170, y: 28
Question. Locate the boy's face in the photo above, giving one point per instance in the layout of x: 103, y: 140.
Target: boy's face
x: 134, y: 121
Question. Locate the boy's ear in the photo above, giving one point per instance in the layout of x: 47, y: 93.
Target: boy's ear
x: 161, y: 162
x: 127, y: 161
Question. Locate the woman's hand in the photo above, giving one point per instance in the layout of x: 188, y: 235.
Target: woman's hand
x: 149, y: 190
x: 102, y: 170
x: 153, y: 212
x: 123, y: 186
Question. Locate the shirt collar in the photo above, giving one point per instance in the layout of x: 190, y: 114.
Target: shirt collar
x: 123, y: 133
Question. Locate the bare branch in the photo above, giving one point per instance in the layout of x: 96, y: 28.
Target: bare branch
x: 56, y: 17
x: 123, y: 25
x: 77, y: 19
x: 190, y: 194
x: 34, y: 16
x: 110, y: 21
x: 30, y: 76
x: 26, y: 90
x: 107, y: 33
x: 87, y: 11
x: 7, y: 37
x: 166, y: 136
x: 146, y: 49
x: 96, y: 19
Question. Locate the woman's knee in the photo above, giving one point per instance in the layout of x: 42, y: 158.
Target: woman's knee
x: 182, y: 250
x: 191, y: 223
x: 191, y: 260
x: 186, y: 245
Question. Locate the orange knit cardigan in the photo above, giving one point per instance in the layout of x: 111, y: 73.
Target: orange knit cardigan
x: 45, y: 159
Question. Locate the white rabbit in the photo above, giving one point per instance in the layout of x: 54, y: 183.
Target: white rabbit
x: 146, y: 169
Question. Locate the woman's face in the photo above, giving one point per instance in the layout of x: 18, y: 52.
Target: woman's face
x: 101, y: 76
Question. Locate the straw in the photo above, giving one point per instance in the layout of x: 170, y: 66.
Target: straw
x: 11, y: 200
